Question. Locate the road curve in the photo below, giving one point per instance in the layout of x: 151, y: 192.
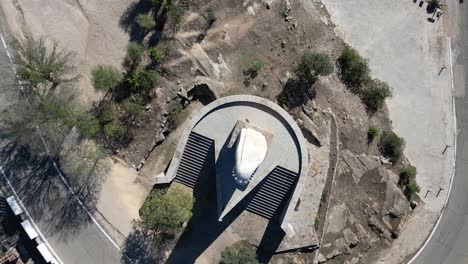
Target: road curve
x: 449, y: 244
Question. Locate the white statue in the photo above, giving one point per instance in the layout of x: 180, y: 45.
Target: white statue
x: 250, y: 152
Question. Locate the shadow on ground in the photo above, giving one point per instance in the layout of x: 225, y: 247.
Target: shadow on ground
x: 43, y: 192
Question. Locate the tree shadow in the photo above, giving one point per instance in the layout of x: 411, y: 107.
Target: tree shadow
x: 43, y: 192
x: 128, y: 19
x: 296, y: 92
x: 140, y: 247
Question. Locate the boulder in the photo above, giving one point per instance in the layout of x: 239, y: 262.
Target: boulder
x: 378, y: 227
x: 350, y: 237
x: 333, y: 254
x: 342, y: 246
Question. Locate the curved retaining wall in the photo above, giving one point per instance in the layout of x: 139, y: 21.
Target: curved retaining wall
x: 189, y: 125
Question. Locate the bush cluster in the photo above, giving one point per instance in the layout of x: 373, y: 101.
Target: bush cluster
x: 392, y: 145
x: 166, y: 210
x: 243, y: 255
x: 355, y: 73
x: 312, y: 65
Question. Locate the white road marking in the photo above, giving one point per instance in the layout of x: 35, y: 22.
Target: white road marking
x: 29, y: 216
x: 56, y: 167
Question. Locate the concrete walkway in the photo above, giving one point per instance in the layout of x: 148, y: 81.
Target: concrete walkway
x: 412, y: 54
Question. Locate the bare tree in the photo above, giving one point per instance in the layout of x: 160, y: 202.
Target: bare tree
x: 42, y: 69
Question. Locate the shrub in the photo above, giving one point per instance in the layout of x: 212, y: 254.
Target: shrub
x: 143, y: 80
x: 108, y: 113
x: 211, y: 16
x: 407, y: 174
x: 254, y: 68
x: 134, y: 54
x: 392, y: 145
x: 133, y: 105
x: 156, y: 55
x: 244, y: 255
x: 354, y: 69
x: 312, y: 65
x: 146, y: 21
x: 373, y: 132
x: 105, y: 77
x: 175, y: 13
x: 413, y: 187
x: 165, y: 210
x: 114, y: 130
x: 89, y: 127
x: 175, y: 110
x: 375, y: 93
x: 296, y: 93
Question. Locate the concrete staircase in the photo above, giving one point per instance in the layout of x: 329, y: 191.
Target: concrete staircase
x: 193, y: 163
x: 273, y: 193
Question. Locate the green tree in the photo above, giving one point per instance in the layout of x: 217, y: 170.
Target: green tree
x: 211, y: 16
x: 392, y: 145
x: 134, y: 54
x: 43, y: 69
x: 244, y: 255
x: 373, y: 133
x: 374, y: 94
x: 354, y: 69
x: 407, y: 174
x: 133, y: 105
x: 165, y: 210
x: 108, y: 113
x: 146, y: 21
x: 89, y: 126
x: 413, y: 188
x: 143, y: 80
x: 314, y: 64
x: 115, y: 130
x: 156, y: 55
x: 105, y: 77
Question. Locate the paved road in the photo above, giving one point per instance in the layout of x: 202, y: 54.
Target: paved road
x: 449, y: 245
x: 66, y: 226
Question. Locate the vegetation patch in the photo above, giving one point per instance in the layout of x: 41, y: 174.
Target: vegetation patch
x: 166, y: 210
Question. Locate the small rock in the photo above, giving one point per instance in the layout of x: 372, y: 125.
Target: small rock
x: 385, y: 161
x: 414, y: 204
x: 168, y: 99
x: 341, y: 245
x: 288, y: 18
x: 350, y: 237
x: 139, y: 166
x: 264, y: 85
x: 160, y: 138
x: 165, y: 113
x: 283, y: 44
x: 148, y: 107
x: 321, y: 258
x: 142, y: 161
x: 395, y: 234
x: 300, y: 122
x: 327, y: 245
x: 178, y: 82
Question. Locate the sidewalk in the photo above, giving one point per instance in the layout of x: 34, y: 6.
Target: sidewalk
x: 408, y: 51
